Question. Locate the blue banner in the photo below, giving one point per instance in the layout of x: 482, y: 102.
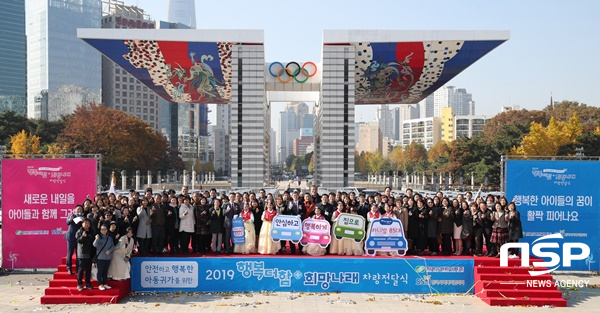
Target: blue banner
x: 245, y: 274
x: 558, y: 197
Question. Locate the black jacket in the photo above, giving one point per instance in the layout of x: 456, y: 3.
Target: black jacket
x: 84, y: 244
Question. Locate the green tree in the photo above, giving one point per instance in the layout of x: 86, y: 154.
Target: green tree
x: 11, y: 123
x: 377, y: 163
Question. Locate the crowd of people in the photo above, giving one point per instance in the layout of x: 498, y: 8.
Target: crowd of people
x: 106, y: 230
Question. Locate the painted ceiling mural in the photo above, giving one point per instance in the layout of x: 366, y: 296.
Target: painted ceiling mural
x: 407, y: 72
x: 191, y: 72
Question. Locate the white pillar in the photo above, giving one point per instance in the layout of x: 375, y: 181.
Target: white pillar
x: 138, y: 180
x: 193, y: 179
x: 123, y: 180
x: 149, y: 179
x: 185, y: 177
x: 472, y: 180
x: 159, y: 179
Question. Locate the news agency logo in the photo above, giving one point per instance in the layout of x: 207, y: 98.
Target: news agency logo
x: 555, y: 259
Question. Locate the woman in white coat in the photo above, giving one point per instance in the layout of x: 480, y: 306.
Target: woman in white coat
x: 186, y: 224
x: 119, y: 264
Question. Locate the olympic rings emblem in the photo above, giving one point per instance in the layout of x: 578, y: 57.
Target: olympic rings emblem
x: 292, y: 70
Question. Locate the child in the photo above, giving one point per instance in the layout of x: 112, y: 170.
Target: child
x: 388, y: 212
x: 356, y: 248
x: 337, y: 246
x: 85, y: 239
x: 249, y: 244
x: 373, y: 214
x: 314, y: 248
x: 499, y: 228
x: 266, y: 245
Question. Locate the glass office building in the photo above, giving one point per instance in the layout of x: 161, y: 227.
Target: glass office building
x: 13, y: 66
x: 63, y: 72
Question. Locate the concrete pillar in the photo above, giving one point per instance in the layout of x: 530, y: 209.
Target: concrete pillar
x: 168, y: 178
x: 138, y: 181
x: 472, y: 180
x: 149, y: 179
x: 159, y: 178
x: 185, y: 177
x: 175, y: 178
x: 123, y: 180
x: 193, y: 179
x: 449, y: 178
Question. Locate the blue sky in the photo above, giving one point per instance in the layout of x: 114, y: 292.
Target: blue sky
x: 551, y: 51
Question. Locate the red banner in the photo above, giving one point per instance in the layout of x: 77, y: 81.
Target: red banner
x: 37, y: 197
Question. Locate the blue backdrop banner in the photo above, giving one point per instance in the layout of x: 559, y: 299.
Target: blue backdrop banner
x: 243, y: 274
x: 558, y: 197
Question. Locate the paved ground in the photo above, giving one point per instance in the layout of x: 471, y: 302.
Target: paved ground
x: 20, y: 291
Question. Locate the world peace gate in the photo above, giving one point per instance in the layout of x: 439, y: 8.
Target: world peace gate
x: 358, y: 67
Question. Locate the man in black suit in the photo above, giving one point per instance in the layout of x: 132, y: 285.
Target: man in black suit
x: 295, y: 208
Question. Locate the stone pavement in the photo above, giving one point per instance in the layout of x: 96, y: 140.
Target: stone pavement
x: 20, y: 291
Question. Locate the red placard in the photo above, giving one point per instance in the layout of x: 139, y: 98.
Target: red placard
x: 37, y: 196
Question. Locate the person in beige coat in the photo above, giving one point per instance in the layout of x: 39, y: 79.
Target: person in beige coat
x: 119, y: 264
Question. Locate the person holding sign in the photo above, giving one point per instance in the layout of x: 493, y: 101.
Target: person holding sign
x: 356, y: 248
x: 337, y: 246
x: 249, y: 246
x: 266, y: 245
x: 315, y: 249
x: 74, y: 223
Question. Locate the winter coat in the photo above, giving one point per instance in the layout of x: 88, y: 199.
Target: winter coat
x: 84, y: 244
x: 104, y: 244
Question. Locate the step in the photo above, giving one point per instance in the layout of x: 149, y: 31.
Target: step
x: 525, y: 302
x: 79, y: 299
x: 511, y: 277
x: 499, y: 285
x: 55, y: 291
x: 496, y: 261
x: 537, y: 294
x: 73, y: 283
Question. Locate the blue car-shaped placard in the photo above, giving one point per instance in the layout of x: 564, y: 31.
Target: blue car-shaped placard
x: 386, y: 235
x: 286, y: 227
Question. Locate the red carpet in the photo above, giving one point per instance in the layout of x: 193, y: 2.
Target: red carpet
x: 507, y: 286
x: 63, y: 290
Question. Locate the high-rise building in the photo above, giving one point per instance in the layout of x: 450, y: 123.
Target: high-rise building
x: 469, y: 126
x: 13, y: 57
x: 443, y: 98
x: 459, y: 100
x: 385, y: 121
x: 427, y: 131
x: 183, y: 11
x: 463, y: 103
x: 371, y: 137
x: 273, y: 146
x: 426, y: 106
x: 63, y: 72
x: 447, y: 124
x: 294, y: 117
x: 121, y: 90
x: 399, y: 115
